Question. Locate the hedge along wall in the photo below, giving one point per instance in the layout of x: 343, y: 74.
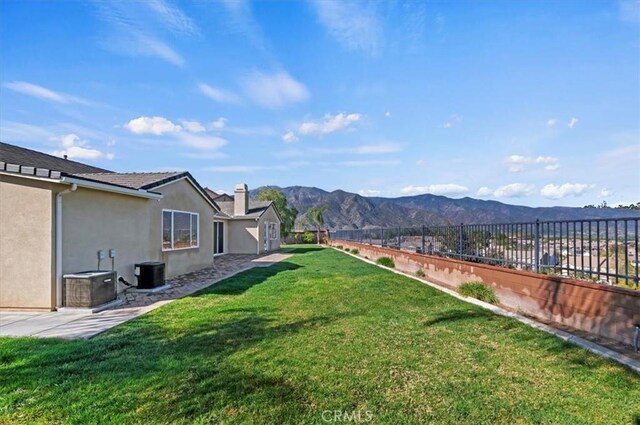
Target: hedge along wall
x: 601, y: 310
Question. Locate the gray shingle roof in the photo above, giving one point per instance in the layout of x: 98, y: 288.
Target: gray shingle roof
x: 256, y: 208
x: 133, y: 180
x: 16, y: 159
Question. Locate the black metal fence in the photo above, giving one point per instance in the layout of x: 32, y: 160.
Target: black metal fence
x: 604, y: 251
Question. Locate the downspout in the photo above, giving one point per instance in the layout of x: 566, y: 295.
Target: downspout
x: 58, y: 237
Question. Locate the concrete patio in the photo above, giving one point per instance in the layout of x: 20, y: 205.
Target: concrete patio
x: 73, y: 324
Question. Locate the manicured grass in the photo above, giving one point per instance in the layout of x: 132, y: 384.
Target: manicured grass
x: 320, y: 332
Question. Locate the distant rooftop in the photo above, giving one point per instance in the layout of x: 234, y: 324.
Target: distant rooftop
x: 256, y: 208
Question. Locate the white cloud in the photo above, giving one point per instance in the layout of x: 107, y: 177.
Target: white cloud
x: 517, y: 163
x: 289, y: 137
x: 273, y: 90
x: 218, y: 124
x: 354, y: 24
x: 361, y: 163
x: 241, y: 169
x: 453, y: 120
x: 514, y: 190
x: 421, y: 163
x: 172, y: 17
x: 436, y: 189
x: 551, y: 122
x: 605, y: 193
x: 201, y: 141
x: 133, y: 31
x: 387, y: 114
x: 75, y: 148
x: 552, y: 191
x: 219, y: 95
x: 369, y: 192
x: 377, y: 149
x: 241, y: 20
x: 484, y: 191
x: 152, y: 125
x: 573, y: 122
x: 40, y: 92
x: 193, y: 126
x: 552, y: 167
x: 328, y: 124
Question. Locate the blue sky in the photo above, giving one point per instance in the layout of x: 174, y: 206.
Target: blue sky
x: 527, y: 102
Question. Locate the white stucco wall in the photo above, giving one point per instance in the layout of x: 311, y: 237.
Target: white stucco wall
x: 243, y: 236
x: 97, y: 220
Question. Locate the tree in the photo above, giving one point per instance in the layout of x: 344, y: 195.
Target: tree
x: 287, y: 213
x: 315, y: 217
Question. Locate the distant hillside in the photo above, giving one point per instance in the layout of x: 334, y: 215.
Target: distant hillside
x: 349, y: 210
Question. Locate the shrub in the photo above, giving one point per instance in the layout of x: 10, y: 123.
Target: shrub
x: 478, y: 290
x: 420, y: 273
x: 308, y: 237
x: 386, y: 261
x: 339, y: 247
x: 355, y: 251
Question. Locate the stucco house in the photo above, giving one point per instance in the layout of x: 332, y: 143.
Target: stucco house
x: 59, y: 216
x: 250, y: 226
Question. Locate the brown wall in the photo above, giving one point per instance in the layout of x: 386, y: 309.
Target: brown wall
x: 602, y: 310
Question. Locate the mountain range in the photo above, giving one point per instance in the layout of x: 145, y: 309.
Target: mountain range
x: 346, y: 210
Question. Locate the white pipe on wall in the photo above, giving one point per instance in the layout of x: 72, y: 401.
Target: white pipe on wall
x: 58, y: 237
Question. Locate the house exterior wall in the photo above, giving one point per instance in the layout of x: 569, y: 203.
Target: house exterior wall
x: 269, y: 216
x: 96, y: 220
x: 182, y: 196
x: 26, y: 243
x: 243, y: 236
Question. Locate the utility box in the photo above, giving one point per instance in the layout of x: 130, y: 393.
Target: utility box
x: 150, y: 274
x: 89, y: 289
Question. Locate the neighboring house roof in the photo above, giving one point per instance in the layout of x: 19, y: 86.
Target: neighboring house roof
x: 256, y: 209
x: 16, y: 159
x: 218, y: 197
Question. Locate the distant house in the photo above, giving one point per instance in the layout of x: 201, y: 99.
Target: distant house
x: 252, y: 227
x: 59, y: 216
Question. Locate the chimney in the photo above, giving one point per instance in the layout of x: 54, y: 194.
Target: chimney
x: 241, y: 199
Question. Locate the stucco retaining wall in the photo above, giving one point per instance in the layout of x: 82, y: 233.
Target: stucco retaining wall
x: 598, y: 309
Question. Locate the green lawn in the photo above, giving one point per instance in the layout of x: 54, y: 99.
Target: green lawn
x: 321, y: 332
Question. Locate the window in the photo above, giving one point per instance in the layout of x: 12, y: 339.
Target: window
x: 180, y: 230
x: 218, y: 237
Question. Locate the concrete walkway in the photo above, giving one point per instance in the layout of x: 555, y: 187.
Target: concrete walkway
x: 72, y: 325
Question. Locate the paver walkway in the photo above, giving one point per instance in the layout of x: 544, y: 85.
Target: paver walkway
x: 72, y: 325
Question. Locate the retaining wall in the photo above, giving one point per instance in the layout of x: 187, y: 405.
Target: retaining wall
x: 598, y: 309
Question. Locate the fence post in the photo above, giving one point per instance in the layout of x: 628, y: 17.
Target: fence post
x: 423, y: 251
x: 382, y: 236
x: 536, y: 245
x: 460, y: 240
x: 399, y: 242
